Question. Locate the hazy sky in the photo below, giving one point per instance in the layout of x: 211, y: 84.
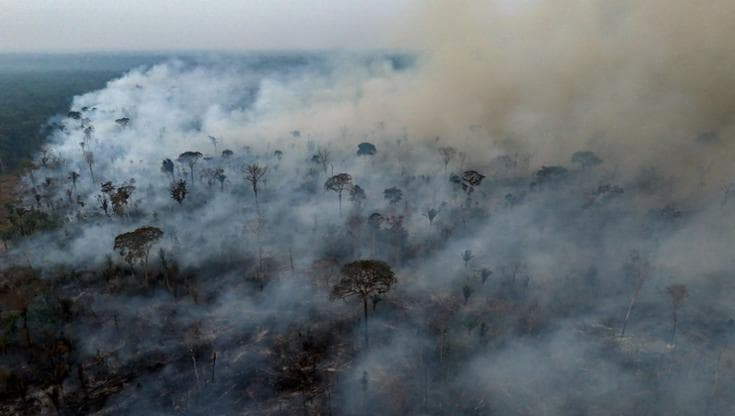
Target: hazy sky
x: 73, y: 25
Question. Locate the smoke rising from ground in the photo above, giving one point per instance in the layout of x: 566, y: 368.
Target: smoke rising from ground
x: 511, y: 299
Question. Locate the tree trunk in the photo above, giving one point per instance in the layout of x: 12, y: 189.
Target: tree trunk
x: 633, y: 301
x: 339, y: 196
x: 365, y: 311
x: 673, y: 330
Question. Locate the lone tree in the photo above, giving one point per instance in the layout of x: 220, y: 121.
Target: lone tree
x: 253, y: 174
x: 366, y: 149
x: 190, y: 158
x: 136, y: 245
x: 365, y: 279
x: 338, y: 183
x: 678, y: 295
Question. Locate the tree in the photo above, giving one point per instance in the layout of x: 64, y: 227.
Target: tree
x: 253, y: 174
x: 322, y: 157
x: 227, y: 153
x: 393, y: 195
x: 366, y: 149
x: 214, y: 141
x: 219, y: 175
x: 338, y: 183
x: 430, y: 214
x: 89, y: 158
x: 357, y: 195
x: 190, y: 158
x: 136, y: 245
x: 678, y: 293
x: 178, y: 191
x: 73, y: 177
x: 467, y: 257
x: 364, y: 279
x: 637, y: 269
x: 167, y: 167
x: 447, y: 154
x: 120, y: 198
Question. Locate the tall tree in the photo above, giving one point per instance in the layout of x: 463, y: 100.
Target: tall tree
x: 364, y: 279
x: 338, y: 183
x: 190, y: 158
x: 136, y: 245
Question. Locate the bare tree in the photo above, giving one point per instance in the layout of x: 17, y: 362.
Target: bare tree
x: 254, y: 173
x: 214, y: 141
x: 638, y: 269
x: 338, y: 183
x: 136, y: 245
x: 364, y: 279
x: 323, y: 158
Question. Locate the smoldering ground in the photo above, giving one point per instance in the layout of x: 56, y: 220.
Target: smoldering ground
x: 544, y: 289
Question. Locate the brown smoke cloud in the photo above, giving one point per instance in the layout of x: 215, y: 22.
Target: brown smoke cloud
x: 641, y: 82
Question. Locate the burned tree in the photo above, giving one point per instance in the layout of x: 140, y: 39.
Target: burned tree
x: 365, y: 279
x: 338, y: 183
x: 678, y: 293
x: 120, y: 199
x: 178, y: 191
x: 253, y: 174
x: 136, y: 245
x: 190, y: 159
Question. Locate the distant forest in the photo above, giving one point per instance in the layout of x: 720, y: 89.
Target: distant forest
x: 36, y: 87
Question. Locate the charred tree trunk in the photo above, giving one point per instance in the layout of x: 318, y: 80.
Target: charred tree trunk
x: 365, y: 317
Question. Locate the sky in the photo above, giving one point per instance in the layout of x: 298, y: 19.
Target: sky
x: 152, y: 25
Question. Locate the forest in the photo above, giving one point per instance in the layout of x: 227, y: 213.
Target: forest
x: 200, y: 239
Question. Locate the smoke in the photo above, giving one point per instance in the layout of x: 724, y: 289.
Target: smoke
x: 510, y: 300
x: 641, y: 82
